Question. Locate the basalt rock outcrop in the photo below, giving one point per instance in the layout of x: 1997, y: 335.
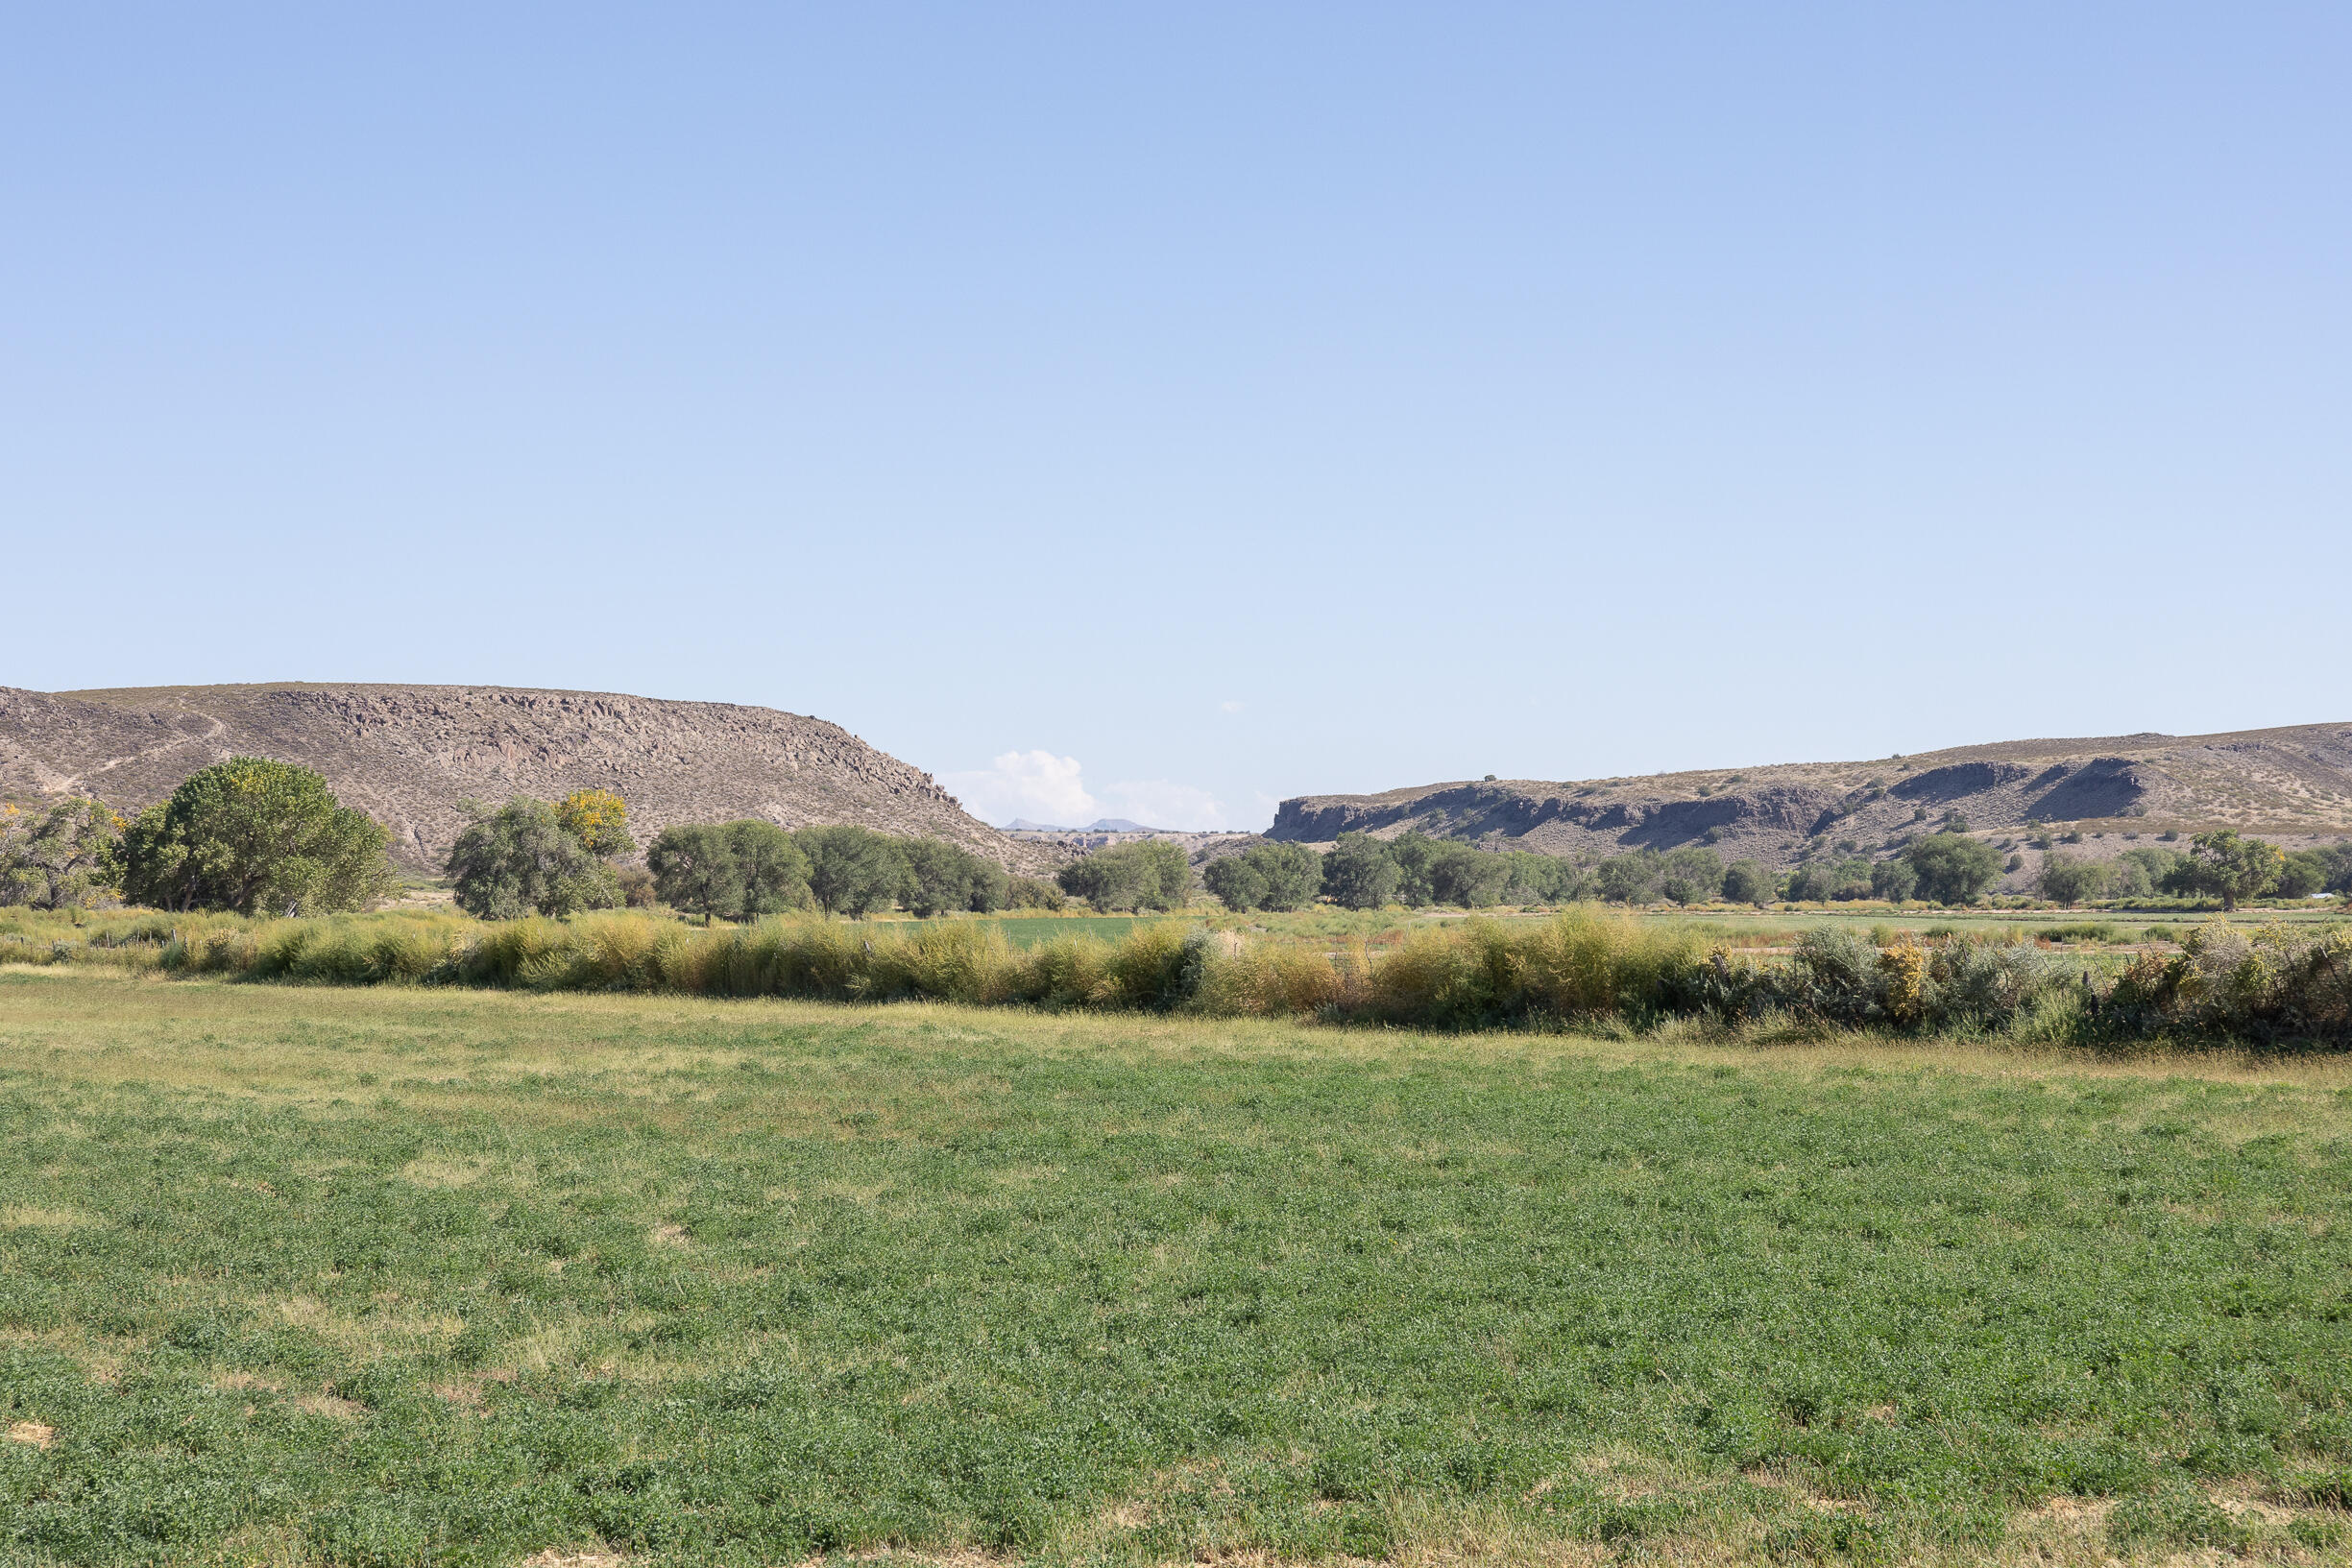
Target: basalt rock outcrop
x: 408, y: 754
x: 2294, y: 785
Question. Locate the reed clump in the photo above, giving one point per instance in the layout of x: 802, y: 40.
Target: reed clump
x: 1586, y: 967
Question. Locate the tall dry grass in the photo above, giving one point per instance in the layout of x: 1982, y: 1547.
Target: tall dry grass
x: 1585, y: 966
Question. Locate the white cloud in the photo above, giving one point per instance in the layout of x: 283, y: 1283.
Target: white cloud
x: 1035, y: 785
x: 1160, y: 802
x: 1040, y: 787
x: 1232, y: 706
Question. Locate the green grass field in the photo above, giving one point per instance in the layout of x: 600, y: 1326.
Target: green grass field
x: 408, y: 1277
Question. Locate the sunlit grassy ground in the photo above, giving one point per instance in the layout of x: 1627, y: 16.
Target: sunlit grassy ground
x: 304, y: 1274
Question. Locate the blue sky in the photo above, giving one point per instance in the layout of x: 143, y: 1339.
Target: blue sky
x: 1160, y: 411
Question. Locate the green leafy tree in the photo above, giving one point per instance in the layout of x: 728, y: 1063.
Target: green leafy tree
x: 2070, y: 880
x: 1465, y: 875
x: 1148, y: 874
x: 1690, y: 875
x: 1265, y: 877
x: 1360, y: 873
x: 773, y: 868
x: 1954, y: 868
x: 68, y: 856
x: 1893, y: 881
x: 1750, y: 881
x: 1415, y: 854
x: 259, y: 837
x: 521, y: 860
x: 1541, y: 879
x: 1844, y: 880
x: 695, y: 871
x: 2303, y: 874
x: 941, y: 877
x: 852, y: 871
x: 1628, y: 878
x: 2223, y: 865
x: 1294, y: 874
x: 1237, y: 883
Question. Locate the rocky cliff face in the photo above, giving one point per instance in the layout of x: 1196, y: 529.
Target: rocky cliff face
x: 2292, y: 783
x: 408, y: 754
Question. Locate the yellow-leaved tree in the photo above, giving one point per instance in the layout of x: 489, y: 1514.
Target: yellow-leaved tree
x: 600, y: 820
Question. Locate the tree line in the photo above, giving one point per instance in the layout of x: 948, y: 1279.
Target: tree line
x: 2219, y: 864
x: 245, y: 834
x: 257, y: 836
x: 1360, y: 872
x: 531, y: 857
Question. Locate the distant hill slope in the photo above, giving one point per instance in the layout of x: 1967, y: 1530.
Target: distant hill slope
x: 2289, y: 783
x: 407, y: 755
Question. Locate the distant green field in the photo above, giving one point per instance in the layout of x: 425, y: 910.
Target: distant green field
x: 409, y: 1276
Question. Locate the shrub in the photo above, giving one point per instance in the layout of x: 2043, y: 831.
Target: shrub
x: 1360, y: 873
x: 1033, y: 893
x: 521, y: 860
x: 253, y: 836
x: 638, y: 889
x: 1148, y: 874
x: 1951, y: 983
x: 2278, y: 983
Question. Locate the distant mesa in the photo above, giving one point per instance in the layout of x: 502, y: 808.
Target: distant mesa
x: 1101, y: 825
x: 2286, y: 785
x: 408, y: 754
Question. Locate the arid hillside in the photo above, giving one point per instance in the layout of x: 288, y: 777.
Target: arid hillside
x: 407, y: 755
x: 2292, y: 785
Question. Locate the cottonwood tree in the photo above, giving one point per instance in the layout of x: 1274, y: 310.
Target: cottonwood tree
x: 600, y: 820
x: 2230, y: 868
x: 734, y: 870
x: 1359, y: 873
x: 1265, y: 877
x: 1954, y: 868
x: 852, y: 871
x: 943, y: 877
x: 521, y: 860
x: 67, y: 856
x: 1750, y: 881
x: 1149, y: 874
x: 259, y: 837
